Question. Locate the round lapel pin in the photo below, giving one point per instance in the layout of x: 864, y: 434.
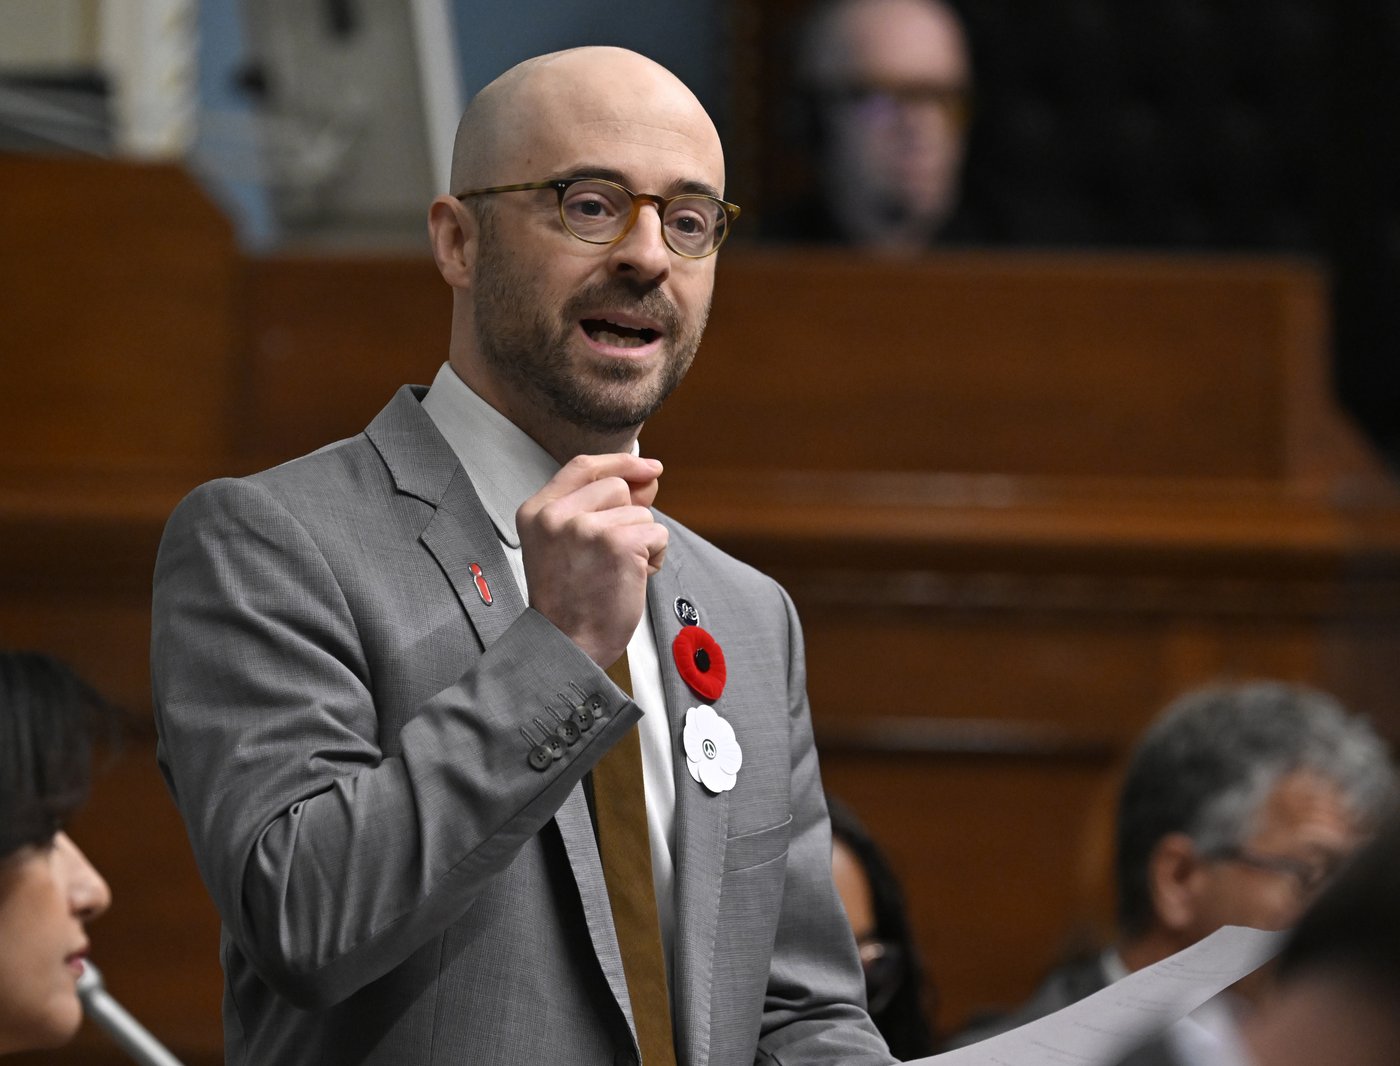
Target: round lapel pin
x: 686, y: 612
x: 700, y: 661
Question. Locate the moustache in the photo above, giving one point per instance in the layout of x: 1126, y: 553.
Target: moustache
x: 620, y: 295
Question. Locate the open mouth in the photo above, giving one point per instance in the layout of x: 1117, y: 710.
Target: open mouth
x: 616, y: 335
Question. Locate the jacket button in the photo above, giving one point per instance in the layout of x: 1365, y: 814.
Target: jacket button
x: 567, y: 731
x: 539, y: 757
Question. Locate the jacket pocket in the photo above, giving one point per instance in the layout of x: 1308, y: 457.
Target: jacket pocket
x: 756, y: 848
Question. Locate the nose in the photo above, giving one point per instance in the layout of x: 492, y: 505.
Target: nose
x: 642, y: 253
x: 88, y: 893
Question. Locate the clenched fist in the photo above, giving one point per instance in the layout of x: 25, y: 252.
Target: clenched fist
x: 589, y: 543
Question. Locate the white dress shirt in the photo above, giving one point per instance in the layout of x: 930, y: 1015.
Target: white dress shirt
x: 507, y: 467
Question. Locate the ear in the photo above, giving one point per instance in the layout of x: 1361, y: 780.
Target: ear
x: 453, y: 231
x: 1174, y: 873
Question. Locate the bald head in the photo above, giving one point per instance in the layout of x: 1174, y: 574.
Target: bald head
x: 518, y: 119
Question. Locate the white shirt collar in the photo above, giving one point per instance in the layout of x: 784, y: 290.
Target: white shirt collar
x: 1113, y: 966
x: 505, y: 464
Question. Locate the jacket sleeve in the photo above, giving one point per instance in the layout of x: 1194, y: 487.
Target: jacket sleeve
x: 814, y: 1010
x: 330, y: 859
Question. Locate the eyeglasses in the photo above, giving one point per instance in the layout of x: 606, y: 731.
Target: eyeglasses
x: 693, y: 224
x: 883, y: 963
x: 877, y: 101
x: 1308, y: 877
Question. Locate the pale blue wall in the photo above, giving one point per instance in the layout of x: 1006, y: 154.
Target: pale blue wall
x: 221, y: 53
x: 690, y: 37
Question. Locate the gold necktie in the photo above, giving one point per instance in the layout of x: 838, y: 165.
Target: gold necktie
x: 619, y: 802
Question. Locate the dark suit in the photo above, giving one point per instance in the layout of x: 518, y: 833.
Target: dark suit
x: 340, y: 718
x: 1067, y: 983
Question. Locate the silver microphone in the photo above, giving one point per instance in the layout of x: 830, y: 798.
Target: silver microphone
x: 133, y: 1037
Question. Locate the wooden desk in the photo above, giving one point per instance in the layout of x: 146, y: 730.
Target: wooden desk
x: 1020, y: 503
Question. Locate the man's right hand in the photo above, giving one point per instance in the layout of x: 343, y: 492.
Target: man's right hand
x: 589, y: 543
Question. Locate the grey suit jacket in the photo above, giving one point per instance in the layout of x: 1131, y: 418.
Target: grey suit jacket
x: 342, y: 723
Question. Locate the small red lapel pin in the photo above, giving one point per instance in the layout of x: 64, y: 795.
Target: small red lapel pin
x: 482, y: 588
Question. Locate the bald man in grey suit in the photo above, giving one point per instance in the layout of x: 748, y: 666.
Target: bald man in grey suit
x: 380, y: 669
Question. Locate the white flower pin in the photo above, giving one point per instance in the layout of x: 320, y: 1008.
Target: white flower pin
x: 712, y: 753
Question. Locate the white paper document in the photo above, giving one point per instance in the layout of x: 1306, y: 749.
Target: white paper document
x: 1101, y: 1028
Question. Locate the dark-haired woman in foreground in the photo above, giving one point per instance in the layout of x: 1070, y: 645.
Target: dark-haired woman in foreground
x: 48, y: 889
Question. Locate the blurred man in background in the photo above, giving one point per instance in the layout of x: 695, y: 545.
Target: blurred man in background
x: 1240, y: 803
x: 886, y: 86
x: 1339, y: 974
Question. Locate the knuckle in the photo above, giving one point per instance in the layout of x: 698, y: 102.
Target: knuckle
x: 552, y: 518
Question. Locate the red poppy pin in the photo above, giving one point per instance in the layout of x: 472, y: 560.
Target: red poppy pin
x: 700, y: 660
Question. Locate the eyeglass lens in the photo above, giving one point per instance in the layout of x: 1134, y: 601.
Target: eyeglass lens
x: 883, y: 964
x: 599, y: 211
x: 1307, y: 877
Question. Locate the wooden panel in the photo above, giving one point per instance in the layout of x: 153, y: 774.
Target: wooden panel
x: 330, y: 342
x: 983, y: 653
x: 1000, y: 823
x: 1020, y: 502
x: 117, y: 292
x: 1088, y: 679
x: 890, y: 520
x: 1066, y: 624
x: 1363, y: 654
x: 77, y: 550
x: 989, y: 855
x: 1121, y: 366
x: 105, y: 638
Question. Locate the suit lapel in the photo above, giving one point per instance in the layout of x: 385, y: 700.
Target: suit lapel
x: 701, y: 824
x: 458, y: 534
